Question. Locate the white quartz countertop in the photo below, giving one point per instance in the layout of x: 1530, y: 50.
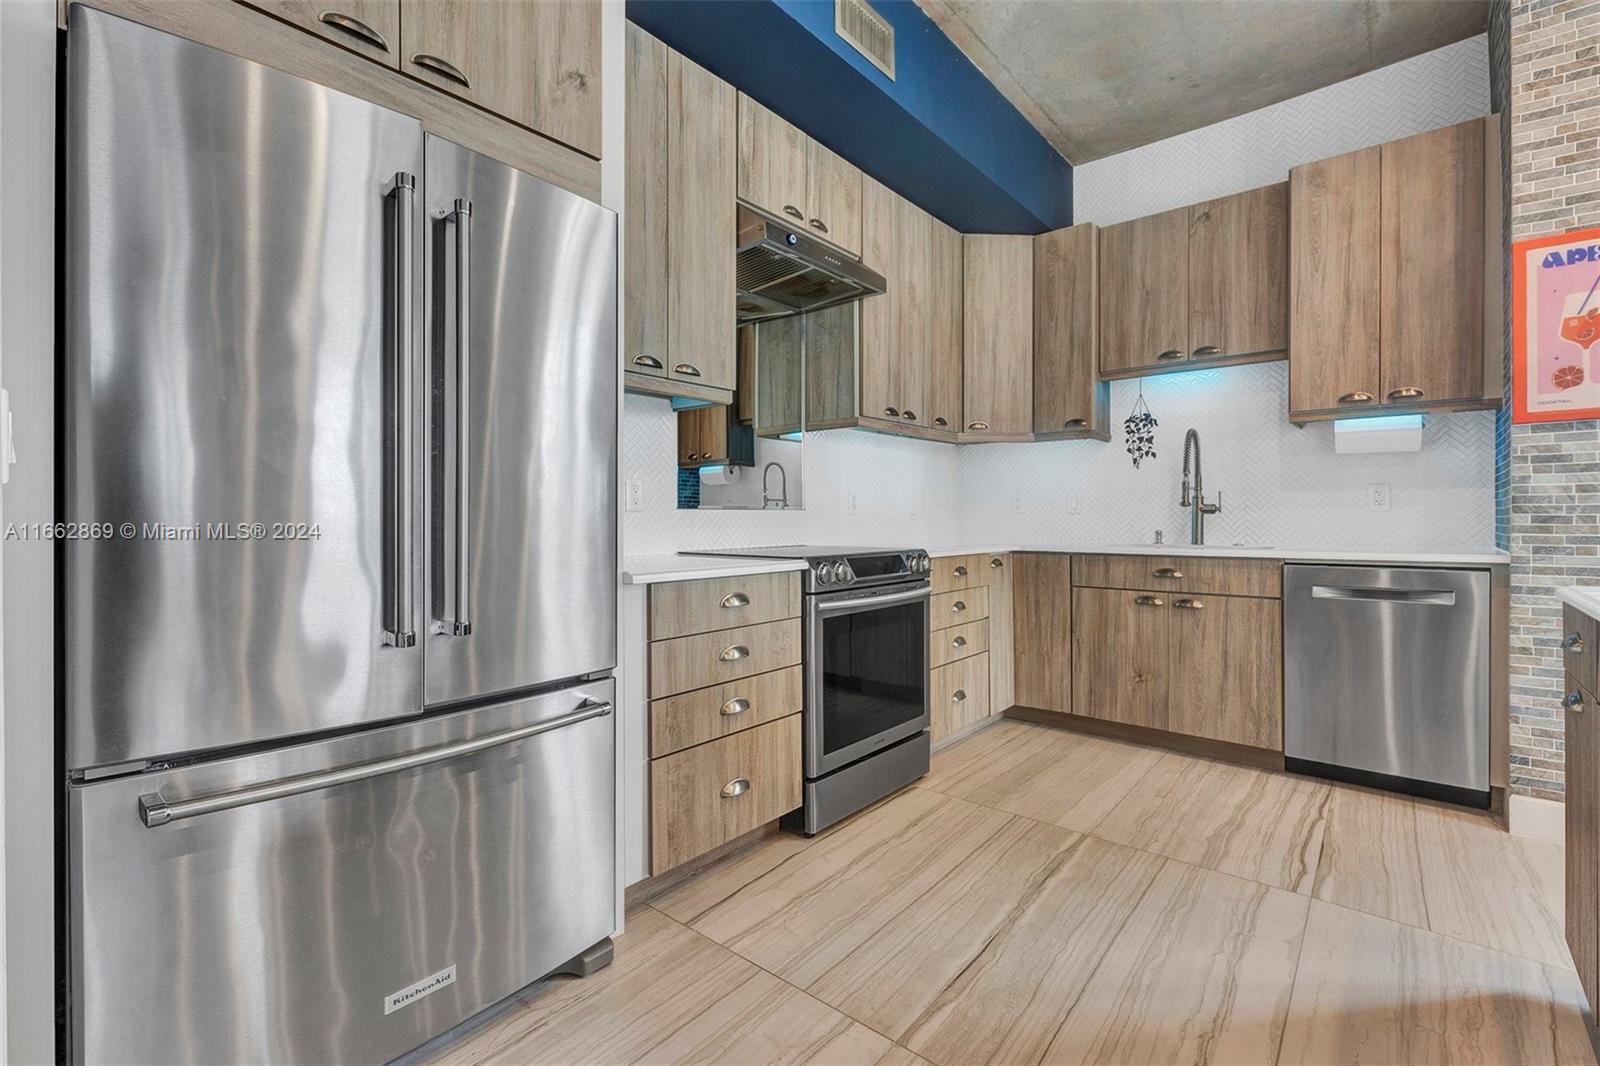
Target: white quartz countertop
x: 649, y: 569
x: 1585, y: 599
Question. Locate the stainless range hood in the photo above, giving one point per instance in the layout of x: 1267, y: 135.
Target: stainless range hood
x: 782, y: 271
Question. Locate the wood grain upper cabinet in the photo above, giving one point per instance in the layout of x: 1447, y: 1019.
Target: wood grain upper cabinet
x: 537, y: 64
x: 1238, y: 277
x: 774, y: 163
x: 1069, y: 399
x: 702, y: 117
x: 1144, y: 292
x: 880, y: 315
x: 833, y: 198
x: 944, y: 297
x: 997, y: 335
x: 645, y: 220
x: 1227, y: 661
x: 368, y: 27
x: 913, y: 311
x: 1042, y: 611
x: 1433, y: 256
x: 1333, y: 282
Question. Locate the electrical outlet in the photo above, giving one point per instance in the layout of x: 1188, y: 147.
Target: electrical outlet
x: 1074, y: 505
x: 635, y: 495
x: 854, y: 504
x: 1378, y: 497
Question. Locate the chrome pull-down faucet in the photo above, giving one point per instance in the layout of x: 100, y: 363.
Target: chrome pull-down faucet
x: 1198, y: 507
x: 782, y: 498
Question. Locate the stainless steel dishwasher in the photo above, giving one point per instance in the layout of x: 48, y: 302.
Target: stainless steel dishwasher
x: 1386, y: 677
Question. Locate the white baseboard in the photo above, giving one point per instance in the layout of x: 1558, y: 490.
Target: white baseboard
x: 1540, y: 819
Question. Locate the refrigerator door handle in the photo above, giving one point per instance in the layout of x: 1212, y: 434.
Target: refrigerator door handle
x: 398, y: 630
x: 459, y: 622
x: 155, y: 811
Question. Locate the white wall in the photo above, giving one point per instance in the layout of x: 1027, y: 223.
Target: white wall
x: 1280, y: 485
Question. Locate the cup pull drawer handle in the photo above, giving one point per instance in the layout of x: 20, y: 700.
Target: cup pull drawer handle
x: 735, y: 706
x: 961, y: 571
x: 1190, y: 605
x: 442, y: 67
x: 733, y: 653
x: 1205, y: 351
x: 892, y: 412
x: 959, y: 642
x: 1150, y: 601
x: 909, y: 416
x: 737, y: 787
x: 354, y: 27
x: 959, y: 605
x: 736, y: 599
x: 977, y: 425
x: 996, y: 564
x: 1573, y: 644
x: 819, y: 225
x: 1169, y: 354
x: 1573, y: 701
x: 1356, y: 397
x: 1075, y: 423
x: 647, y: 360
x: 941, y: 420
x: 792, y: 210
x: 959, y: 696
x: 1168, y: 571
x: 688, y: 369
x: 1407, y: 393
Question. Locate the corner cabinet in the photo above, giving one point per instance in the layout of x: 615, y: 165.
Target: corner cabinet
x: 1395, y: 277
x: 997, y: 337
x: 1199, y: 285
x: 1070, y: 401
x: 679, y: 272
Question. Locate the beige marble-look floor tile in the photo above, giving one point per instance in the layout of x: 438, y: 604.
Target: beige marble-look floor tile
x: 803, y: 918
x: 899, y: 1056
x: 1051, y: 775
x: 1254, y: 824
x: 687, y: 901
x: 1374, y: 991
x: 974, y: 754
x: 1199, y: 973
x: 1370, y: 860
x: 1007, y: 1004
x: 1484, y: 885
x: 892, y: 976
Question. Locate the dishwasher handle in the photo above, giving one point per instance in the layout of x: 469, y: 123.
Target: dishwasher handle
x: 1424, y: 597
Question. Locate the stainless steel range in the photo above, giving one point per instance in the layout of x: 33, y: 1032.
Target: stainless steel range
x: 866, y: 689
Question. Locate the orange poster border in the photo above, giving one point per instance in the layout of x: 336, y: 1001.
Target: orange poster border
x: 1519, y: 334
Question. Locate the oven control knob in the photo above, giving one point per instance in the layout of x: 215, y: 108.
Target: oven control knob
x: 841, y: 572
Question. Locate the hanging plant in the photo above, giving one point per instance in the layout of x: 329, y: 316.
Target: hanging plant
x: 1140, y: 429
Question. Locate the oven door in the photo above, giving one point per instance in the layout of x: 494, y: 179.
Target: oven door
x: 866, y: 673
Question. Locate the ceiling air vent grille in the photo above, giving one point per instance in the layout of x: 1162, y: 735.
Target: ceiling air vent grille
x: 867, y: 31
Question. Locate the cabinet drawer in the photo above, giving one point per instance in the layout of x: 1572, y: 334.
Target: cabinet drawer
x: 959, y: 572
x: 679, y: 722
x: 707, y: 795
x: 683, y: 607
x: 958, y: 642
x: 688, y: 663
x: 1580, y: 644
x: 959, y: 695
x: 956, y: 608
x: 1180, y: 573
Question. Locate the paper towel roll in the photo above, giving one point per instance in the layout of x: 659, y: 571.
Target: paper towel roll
x: 720, y: 475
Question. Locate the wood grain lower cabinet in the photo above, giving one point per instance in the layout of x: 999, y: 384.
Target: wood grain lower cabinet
x: 1043, y: 620
x: 704, y: 659
x: 682, y: 608
x: 537, y: 64
x: 997, y: 337
x: 367, y: 27
x: 1000, y: 580
x: 1226, y: 680
x: 1582, y: 813
x: 958, y: 642
x: 958, y: 607
x: 1120, y: 656
x: 959, y: 696
x: 1070, y: 401
x: 710, y: 794
x: 691, y: 718
x: 1181, y: 573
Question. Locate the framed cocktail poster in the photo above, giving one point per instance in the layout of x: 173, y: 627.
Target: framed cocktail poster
x: 1555, y: 327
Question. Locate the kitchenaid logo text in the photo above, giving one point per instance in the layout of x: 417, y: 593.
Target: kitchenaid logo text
x: 1586, y: 254
x: 411, y: 993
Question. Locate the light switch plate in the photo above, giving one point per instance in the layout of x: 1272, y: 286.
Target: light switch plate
x: 1378, y: 496
x: 1074, y: 505
x: 635, y: 495
x: 854, y: 504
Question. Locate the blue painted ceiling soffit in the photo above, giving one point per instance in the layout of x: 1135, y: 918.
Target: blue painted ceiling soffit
x: 939, y: 134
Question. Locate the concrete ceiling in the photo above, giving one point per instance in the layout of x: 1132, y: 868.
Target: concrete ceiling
x: 1098, y: 77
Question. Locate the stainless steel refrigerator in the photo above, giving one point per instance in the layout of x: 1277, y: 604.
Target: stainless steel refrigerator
x: 340, y: 403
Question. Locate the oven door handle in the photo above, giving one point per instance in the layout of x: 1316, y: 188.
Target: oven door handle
x: 824, y: 606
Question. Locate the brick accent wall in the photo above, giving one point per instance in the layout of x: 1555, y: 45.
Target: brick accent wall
x: 1555, y: 467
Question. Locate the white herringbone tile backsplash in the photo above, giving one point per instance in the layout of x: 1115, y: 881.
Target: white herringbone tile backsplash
x: 1280, y: 485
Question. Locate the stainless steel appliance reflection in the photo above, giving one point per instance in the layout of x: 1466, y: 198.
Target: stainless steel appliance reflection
x: 338, y: 730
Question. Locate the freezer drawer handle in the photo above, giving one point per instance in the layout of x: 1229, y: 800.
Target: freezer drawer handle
x: 155, y: 811
x: 397, y: 630
x: 458, y: 622
x: 1425, y: 597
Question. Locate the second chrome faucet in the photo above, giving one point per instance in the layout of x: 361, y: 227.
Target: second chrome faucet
x: 1196, y: 501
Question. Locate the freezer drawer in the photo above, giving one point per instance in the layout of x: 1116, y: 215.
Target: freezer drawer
x: 337, y: 917
x: 1386, y: 671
